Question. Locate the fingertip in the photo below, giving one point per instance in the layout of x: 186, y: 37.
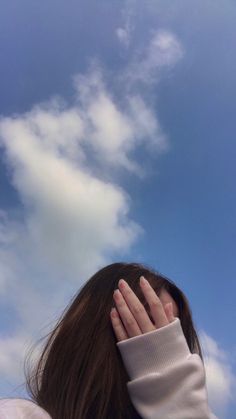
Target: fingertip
x: 113, y: 313
x: 169, y: 311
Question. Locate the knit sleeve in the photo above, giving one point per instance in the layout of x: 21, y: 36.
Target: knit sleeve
x: 21, y: 409
x: 166, y: 379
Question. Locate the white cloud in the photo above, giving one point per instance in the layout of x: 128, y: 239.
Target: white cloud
x: 68, y: 208
x: 157, y: 51
x: 124, y: 32
x: 74, y: 217
x: 219, y: 374
x: 71, y: 221
x: 15, y: 350
x: 123, y: 35
x: 10, y: 363
x: 113, y: 131
x: 146, y: 125
x: 164, y: 51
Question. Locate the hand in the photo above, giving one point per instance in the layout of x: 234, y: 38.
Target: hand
x: 130, y: 318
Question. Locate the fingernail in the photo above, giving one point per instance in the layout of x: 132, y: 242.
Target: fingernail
x: 143, y: 281
x: 113, y: 312
x: 117, y: 294
x: 122, y: 283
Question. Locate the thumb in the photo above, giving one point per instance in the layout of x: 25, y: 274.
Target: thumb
x: 169, y: 312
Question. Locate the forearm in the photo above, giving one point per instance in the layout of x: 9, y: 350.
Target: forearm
x: 166, y: 380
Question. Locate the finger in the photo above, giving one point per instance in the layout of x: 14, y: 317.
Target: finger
x: 136, y: 307
x: 131, y: 326
x: 157, y: 310
x: 169, y: 312
x: 117, y: 325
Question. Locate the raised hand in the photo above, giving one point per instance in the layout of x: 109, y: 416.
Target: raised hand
x: 130, y: 318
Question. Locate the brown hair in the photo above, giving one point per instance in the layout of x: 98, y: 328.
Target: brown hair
x: 80, y: 373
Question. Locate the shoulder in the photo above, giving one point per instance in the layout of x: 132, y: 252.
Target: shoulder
x: 21, y: 409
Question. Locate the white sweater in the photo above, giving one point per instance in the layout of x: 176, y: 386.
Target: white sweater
x: 166, y: 380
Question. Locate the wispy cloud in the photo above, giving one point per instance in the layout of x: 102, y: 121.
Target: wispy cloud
x: 163, y: 49
x: 113, y: 130
x: 163, y: 52
x: 125, y: 31
x: 123, y: 35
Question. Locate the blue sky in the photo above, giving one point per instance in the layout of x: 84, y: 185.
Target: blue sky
x: 117, y: 142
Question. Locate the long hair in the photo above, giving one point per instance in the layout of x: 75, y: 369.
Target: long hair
x: 80, y: 373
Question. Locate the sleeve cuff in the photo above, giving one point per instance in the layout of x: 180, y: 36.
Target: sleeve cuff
x: 154, y: 351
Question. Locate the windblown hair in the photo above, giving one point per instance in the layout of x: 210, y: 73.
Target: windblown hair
x: 80, y: 373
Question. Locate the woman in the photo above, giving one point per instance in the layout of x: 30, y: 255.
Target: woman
x: 142, y: 359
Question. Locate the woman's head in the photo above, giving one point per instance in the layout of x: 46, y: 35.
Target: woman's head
x: 80, y: 374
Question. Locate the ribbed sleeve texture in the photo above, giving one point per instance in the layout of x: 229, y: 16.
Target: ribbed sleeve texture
x: 167, y: 381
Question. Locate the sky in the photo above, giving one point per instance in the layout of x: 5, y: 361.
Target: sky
x: 117, y: 143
